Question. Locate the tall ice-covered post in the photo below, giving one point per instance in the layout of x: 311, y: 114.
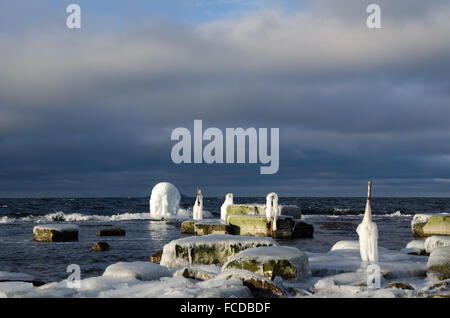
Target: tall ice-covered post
x: 368, y: 233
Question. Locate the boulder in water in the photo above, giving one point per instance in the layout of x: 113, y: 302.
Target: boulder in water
x: 56, y: 233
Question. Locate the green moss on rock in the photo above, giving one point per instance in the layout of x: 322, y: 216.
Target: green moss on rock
x: 187, y: 227
x: 210, y: 227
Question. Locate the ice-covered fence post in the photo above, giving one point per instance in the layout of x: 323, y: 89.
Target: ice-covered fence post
x: 368, y: 233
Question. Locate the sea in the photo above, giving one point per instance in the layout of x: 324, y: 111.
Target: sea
x: 334, y: 219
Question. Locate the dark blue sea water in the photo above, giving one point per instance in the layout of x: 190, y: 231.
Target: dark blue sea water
x: 334, y: 219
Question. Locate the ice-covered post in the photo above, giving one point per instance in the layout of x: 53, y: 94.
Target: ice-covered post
x: 198, y: 206
x: 226, y: 203
x: 368, y: 233
x: 272, y: 211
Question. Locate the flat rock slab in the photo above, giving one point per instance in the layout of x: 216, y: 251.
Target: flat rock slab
x: 257, y: 225
x: 209, y: 249
x: 245, y: 209
x: 55, y: 233
x: 424, y: 225
x: 210, y: 227
x: 145, y: 271
x: 260, y: 209
x: 187, y: 227
x: 249, y: 225
x: 111, y: 232
x: 434, y: 242
x: 289, y: 263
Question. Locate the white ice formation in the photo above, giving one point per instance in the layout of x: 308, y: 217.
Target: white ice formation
x: 368, y: 234
x: 164, y: 201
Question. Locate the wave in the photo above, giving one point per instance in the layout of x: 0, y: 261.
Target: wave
x: 60, y: 216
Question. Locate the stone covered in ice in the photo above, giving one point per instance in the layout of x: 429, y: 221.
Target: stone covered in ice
x: 424, y: 225
x: 439, y: 263
x: 434, y: 242
x: 289, y: 263
x: 209, y: 249
x: 140, y: 270
x: 164, y: 201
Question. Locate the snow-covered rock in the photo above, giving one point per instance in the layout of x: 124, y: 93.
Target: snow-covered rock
x: 164, y: 201
x: 140, y: 270
x: 424, y: 225
x: 209, y: 249
x: 439, y: 263
x: 415, y: 247
x: 434, y: 242
x: 289, y: 263
x: 55, y: 233
x: 345, y: 245
x: 393, y: 264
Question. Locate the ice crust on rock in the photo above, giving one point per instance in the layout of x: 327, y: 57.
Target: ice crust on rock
x: 436, y: 241
x: 275, y: 255
x: 57, y: 227
x: 216, y: 247
x: 345, y: 260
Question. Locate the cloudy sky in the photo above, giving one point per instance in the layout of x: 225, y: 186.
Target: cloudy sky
x: 89, y: 112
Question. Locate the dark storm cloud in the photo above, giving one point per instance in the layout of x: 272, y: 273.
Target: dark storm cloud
x: 90, y: 113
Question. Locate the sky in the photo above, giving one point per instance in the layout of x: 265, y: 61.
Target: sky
x: 89, y: 112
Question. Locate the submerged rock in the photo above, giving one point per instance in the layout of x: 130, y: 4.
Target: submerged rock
x: 209, y: 249
x: 187, y: 227
x: 111, y: 232
x: 210, y: 227
x: 100, y: 247
x: 289, y: 263
x: 424, y: 225
x: 259, y: 286
x: 156, y: 258
x: 438, y: 266
x: 302, y: 230
x: 56, y: 233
